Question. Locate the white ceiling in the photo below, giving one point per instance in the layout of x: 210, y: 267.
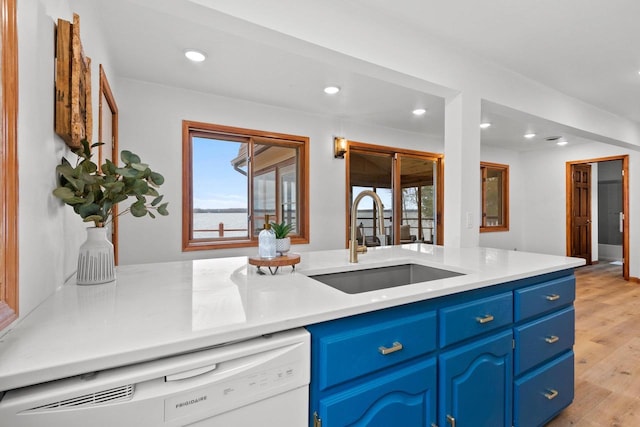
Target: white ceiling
x: 588, y: 50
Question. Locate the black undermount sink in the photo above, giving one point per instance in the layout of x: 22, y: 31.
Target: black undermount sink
x: 373, y: 279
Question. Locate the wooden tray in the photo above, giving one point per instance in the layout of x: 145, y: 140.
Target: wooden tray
x: 277, y: 262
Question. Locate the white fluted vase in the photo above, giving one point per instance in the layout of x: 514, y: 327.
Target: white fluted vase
x: 95, y: 258
x: 283, y: 245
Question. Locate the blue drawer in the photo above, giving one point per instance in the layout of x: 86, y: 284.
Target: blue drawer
x: 543, y: 393
x: 543, y: 339
x: 545, y: 297
x: 360, y: 351
x: 463, y: 321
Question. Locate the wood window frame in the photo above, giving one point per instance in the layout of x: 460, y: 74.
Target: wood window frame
x: 505, y: 197
x: 394, y: 152
x: 189, y: 128
x: 106, y: 93
x: 9, y: 165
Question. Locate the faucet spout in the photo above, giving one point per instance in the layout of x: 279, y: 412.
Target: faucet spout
x: 353, y: 241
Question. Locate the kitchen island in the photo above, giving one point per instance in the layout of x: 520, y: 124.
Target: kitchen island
x: 156, y: 310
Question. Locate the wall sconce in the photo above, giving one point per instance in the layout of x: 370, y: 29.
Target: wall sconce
x: 339, y: 147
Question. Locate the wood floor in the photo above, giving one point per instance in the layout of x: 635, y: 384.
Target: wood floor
x: 607, y: 350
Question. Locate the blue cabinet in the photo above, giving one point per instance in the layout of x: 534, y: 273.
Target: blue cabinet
x: 542, y: 393
x: 473, y: 318
x: 496, y: 356
x: 475, y: 383
x: 362, y: 350
x: 542, y: 339
x: 402, y: 397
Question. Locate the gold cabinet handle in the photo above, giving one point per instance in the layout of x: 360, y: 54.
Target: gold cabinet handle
x: 553, y: 297
x: 551, y: 394
x: 552, y: 339
x: 388, y: 350
x: 486, y: 319
x: 451, y: 420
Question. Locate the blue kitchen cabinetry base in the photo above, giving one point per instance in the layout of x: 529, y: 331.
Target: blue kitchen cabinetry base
x: 495, y: 356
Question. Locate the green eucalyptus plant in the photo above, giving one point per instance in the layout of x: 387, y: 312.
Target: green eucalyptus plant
x: 93, y: 193
x: 281, y: 230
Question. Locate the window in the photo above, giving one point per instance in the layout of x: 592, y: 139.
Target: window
x: 8, y: 164
x: 409, y: 184
x: 234, y: 180
x: 495, y: 197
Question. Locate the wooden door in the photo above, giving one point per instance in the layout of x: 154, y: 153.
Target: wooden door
x: 581, y: 211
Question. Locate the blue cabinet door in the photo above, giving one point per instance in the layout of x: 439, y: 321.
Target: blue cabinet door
x: 405, y: 397
x: 476, y: 383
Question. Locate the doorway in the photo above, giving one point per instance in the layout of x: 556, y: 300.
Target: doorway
x: 579, y: 187
x: 108, y: 134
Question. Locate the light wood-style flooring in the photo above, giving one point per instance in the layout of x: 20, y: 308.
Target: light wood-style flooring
x: 607, y: 350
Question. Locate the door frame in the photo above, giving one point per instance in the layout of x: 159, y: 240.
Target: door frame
x: 625, y: 205
x: 107, y: 94
x: 9, y: 242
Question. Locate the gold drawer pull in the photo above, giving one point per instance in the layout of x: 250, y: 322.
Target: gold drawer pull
x: 552, y: 339
x: 388, y: 350
x: 553, y: 297
x: 451, y: 420
x: 486, y: 319
x: 551, y: 394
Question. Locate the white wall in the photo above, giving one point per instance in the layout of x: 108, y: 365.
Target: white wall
x: 49, y: 234
x: 544, y: 220
x: 150, y: 125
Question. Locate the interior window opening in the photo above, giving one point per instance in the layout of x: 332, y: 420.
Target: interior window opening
x: 494, y: 197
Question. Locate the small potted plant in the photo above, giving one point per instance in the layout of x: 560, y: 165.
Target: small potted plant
x: 94, y: 193
x: 283, y: 242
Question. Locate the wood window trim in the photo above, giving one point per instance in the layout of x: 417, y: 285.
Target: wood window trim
x: 393, y: 152
x: 106, y: 93
x: 505, y: 197
x: 9, y: 165
x: 190, y: 128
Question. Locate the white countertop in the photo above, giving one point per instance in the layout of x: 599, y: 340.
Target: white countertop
x: 156, y: 310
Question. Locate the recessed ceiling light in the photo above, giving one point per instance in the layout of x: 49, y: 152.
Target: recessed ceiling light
x: 195, y: 55
x: 331, y: 90
x: 485, y: 125
x: 529, y: 135
x: 562, y: 142
x: 419, y: 111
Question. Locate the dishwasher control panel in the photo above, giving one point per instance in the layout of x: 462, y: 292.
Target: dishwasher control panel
x: 234, y: 392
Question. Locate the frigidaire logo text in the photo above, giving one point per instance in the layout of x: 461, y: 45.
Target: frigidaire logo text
x: 191, y: 402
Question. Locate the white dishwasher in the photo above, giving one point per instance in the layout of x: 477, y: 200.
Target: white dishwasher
x: 262, y: 381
